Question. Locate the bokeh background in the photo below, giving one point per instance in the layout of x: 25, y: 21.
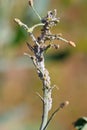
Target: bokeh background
x: 20, y: 107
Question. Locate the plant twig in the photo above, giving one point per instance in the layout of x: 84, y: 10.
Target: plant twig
x: 31, y: 3
x: 40, y: 96
x: 62, y: 105
x: 38, y: 50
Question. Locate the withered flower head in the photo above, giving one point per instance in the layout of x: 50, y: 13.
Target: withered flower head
x: 30, y: 3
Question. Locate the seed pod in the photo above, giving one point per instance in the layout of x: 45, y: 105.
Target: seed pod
x: 30, y: 3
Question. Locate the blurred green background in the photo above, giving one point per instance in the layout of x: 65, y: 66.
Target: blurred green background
x: 20, y: 107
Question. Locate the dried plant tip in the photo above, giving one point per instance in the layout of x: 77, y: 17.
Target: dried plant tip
x: 64, y: 104
x: 72, y: 43
x: 22, y: 24
x: 17, y: 20
x: 30, y: 3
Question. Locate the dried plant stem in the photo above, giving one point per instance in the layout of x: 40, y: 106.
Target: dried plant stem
x: 39, y: 64
x: 62, y: 105
x: 31, y: 4
x: 53, y: 114
x: 47, y: 92
x: 45, y: 110
x: 36, y: 12
x: 38, y: 49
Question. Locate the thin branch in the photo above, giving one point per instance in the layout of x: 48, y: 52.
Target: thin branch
x: 69, y: 42
x: 36, y: 12
x: 30, y: 47
x: 40, y: 96
x: 58, y: 37
x: 51, y: 117
x: 31, y: 3
x: 26, y: 54
x: 21, y: 24
x: 62, y: 105
x: 37, y: 25
x: 29, y: 30
x: 45, y: 109
x: 34, y: 39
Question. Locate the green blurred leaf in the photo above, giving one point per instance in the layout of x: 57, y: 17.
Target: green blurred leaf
x: 20, y: 36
